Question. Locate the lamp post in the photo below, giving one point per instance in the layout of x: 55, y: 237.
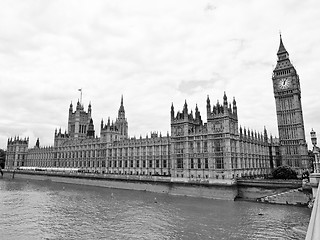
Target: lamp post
x: 315, y: 177
x: 315, y: 151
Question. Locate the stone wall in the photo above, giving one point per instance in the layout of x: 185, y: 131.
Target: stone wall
x: 213, y: 191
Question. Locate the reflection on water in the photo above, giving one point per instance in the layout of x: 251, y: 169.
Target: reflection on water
x: 47, y: 210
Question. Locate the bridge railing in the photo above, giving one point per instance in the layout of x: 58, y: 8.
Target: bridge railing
x: 313, y: 232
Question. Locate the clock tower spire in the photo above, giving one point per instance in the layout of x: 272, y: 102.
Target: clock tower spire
x: 287, y: 93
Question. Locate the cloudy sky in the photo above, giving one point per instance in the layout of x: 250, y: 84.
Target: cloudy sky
x: 154, y: 53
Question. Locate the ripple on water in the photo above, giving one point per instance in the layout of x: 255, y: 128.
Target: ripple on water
x: 46, y: 210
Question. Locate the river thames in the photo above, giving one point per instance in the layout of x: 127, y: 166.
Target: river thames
x: 49, y: 210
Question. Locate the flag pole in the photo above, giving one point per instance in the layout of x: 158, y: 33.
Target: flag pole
x: 80, y: 89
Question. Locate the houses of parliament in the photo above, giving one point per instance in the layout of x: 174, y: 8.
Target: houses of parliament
x: 196, y: 150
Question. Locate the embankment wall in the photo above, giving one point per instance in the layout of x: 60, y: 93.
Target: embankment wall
x: 160, y: 185
x: 254, y: 189
x: 251, y: 190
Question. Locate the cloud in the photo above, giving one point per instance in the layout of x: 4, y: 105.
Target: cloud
x: 154, y: 53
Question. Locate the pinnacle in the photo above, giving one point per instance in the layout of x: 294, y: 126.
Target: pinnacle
x: 282, y: 49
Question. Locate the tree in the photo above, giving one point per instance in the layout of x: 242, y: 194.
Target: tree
x: 284, y: 172
x: 2, y: 158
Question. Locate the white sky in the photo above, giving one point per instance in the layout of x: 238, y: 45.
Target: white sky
x: 154, y: 53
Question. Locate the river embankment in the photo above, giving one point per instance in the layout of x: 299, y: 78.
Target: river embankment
x: 259, y: 190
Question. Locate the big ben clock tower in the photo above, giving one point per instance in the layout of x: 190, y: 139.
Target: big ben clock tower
x: 287, y: 93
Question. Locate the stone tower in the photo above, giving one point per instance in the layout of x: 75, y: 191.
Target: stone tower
x: 287, y: 93
x: 115, y: 131
x: 78, y: 121
x: 223, y: 135
x: 184, y: 127
x: 121, y: 121
x: 17, y: 150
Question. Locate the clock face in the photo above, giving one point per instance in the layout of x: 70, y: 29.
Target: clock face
x: 284, y: 83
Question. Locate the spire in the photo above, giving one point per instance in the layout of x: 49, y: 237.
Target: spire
x: 89, y: 107
x: 225, y: 99
x: 121, y: 112
x: 281, y: 47
x: 284, y: 66
x: 172, y: 111
x: 208, y: 106
x: 185, y: 107
x: 101, y: 123
x: 234, y: 106
x: 208, y: 100
x: 265, y: 134
x: 90, y: 132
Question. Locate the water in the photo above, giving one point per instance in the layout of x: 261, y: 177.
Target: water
x: 48, y: 210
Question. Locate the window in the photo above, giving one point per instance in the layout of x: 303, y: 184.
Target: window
x: 205, y: 146
x: 199, y: 163
x: 191, y: 163
x: 150, y: 163
x: 164, y: 163
x: 131, y: 163
x: 138, y: 163
x: 157, y: 163
x: 206, y: 164
x: 219, y: 163
x: 144, y: 163
x: 198, y: 146
x: 180, y: 163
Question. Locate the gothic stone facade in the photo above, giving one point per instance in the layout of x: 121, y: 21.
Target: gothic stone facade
x: 218, y: 149
x: 287, y: 93
x: 195, y: 151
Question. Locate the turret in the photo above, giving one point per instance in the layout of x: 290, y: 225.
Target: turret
x: 172, y: 112
x: 70, y: 108
x: 90, y: 132
x: 89, y: 109
x: 197, y: 113
x: 78, y: 105
x: 185, y: 109
x: 225, y: 100
x: 208, y: 106
x: 234, y: 106
x: 121, y: 112
x: 265, y: 135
